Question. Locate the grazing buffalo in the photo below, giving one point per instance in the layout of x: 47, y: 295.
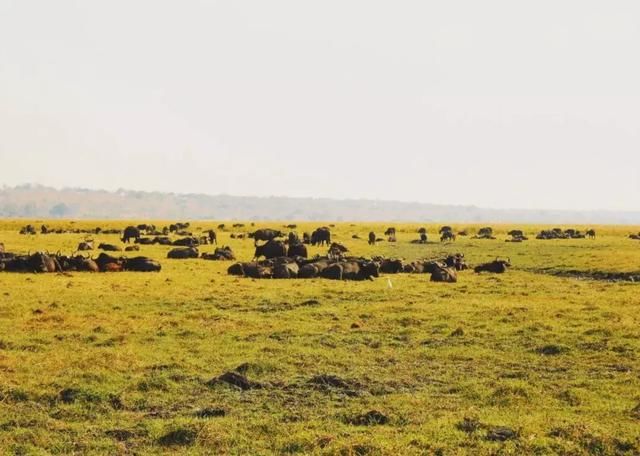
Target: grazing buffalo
x: 372, y: 238
x: 497, y: 266
x: 297, y: 249
x: 85, y: 245
x: 591, y: 234
x: 130, y: 232
x: 444, y: 274
x: 351, y: 270
x: 265, y: 234
x: 182, y: 253
x: 321, y: 236
x: 390, y: 232
x: 272, y: 249
x: 447, y: 236
x: 109, y: 247
x: 141, y: 264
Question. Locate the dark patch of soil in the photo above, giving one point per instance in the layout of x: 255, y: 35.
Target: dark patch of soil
x: 181, y: 436
x: 371, y: 418
x: 501, y: 434
x: 237, y: 380
x: 210, y: 412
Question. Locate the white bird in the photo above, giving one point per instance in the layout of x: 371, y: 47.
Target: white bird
x: 389, y: 284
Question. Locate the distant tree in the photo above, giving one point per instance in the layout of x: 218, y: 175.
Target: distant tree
x: 59, y: 210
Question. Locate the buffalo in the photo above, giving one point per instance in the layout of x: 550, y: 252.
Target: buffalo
x: 107, y: 263
x: 297, y: 249
x: 141, y: 264
x: 321, y: 236
x: 285, y: 270
x: 265, y: 234
x: 132, y: 248
x: 272, y: 249
x: 182, y: 253
x: 213, y: 237
x: 497, y: 266
x: 222, y: 253
x: 130, y: 232
x: 390, y: 231
x: 186, y: 242
x: 109, y: 247
x: 591, y: 234
x: 351, y: 270
x: 447, y: 236
x: 444, y: 274
x: 389, y: 266
x: 85, y: 245
x: 306, y: 238
x: 372, y: 238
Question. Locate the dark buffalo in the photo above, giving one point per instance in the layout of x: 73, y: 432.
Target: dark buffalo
x: 252, y: 270
x: 182, y: 253
x: 444, y: 229
x: 162, y: 240
x: 372, y: 238
x: 422, y: 231
x: 447, y: 236
x: 389, y: 266
x: 265, y: 234
x: 306, y: 238
x: 107, y: 263
x: 516, y: 233
x: 141, y: 264
x: 186, y: 242
x: 85, y: 245
x: 293, y: 238
x: 591, y: 234
x: 423, y: 238
x: 297, y: 249
x: 351, y: 270
x: 391, y: 231
x: 1, y: 247
x: 145, y: 241
x: 321, y: 236
x: 130, y: 232
x: 220, y: 254
x: 497, y: 266
x: 457, y: 262
x: 213, y: 237
x: 109, y: 247
x: 132, y: 248
x: 444, y: 274
x: 285, y: 270
x: 272, y: 249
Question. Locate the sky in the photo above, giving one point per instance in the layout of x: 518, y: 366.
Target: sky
x: 501, y: 104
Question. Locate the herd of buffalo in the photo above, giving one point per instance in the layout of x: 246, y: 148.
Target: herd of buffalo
x: 277, y: 255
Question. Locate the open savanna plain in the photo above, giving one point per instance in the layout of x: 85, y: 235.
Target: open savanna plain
x: 543, y: 359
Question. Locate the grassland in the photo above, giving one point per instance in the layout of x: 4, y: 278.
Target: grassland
x: 122, y: 363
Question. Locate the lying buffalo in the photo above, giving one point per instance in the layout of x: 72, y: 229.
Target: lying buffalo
x: 220, y: 254
x: 297, y: 249
x: 85, y: 245
x: 186, y: 242
x: 132, y: 248
x: 497, y: 266
x: 144, y: 241
x: 250, y: 269
x: 109, y: 247
x: 107, y: 263
x: 141, y: 264
x: 444, y: 274
x: 351, y: 270
x: 389, y: 266
x: 38, y: 263
x: 182, y: 253
x: 272, y: 249
x: 162, y: 240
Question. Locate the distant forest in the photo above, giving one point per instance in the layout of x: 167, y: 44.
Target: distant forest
x: 36, y: 201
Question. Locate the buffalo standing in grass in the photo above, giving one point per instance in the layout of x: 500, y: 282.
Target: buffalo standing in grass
x: 372, y: 238
x: 130, y: 232
x: 591, y: 234
x: 265, y: 234
x: 321, y: 236
x: 272, y: 249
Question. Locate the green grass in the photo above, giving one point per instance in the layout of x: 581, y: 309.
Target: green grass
x: 122, y: 363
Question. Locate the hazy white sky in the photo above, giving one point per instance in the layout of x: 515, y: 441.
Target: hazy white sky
x: 496, y: 103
